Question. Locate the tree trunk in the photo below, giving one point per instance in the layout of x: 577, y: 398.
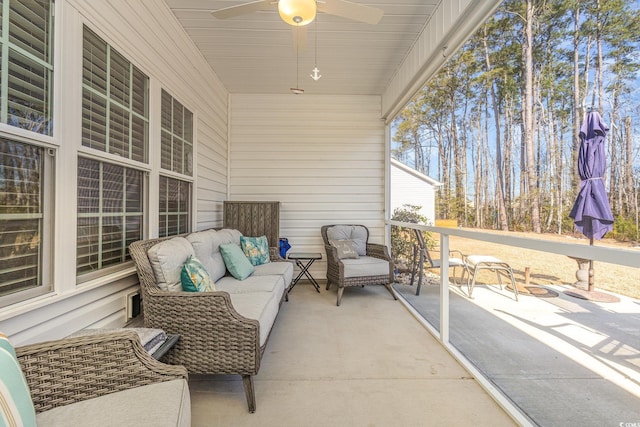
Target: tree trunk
x: 503, y: 224
x: 529, y: 122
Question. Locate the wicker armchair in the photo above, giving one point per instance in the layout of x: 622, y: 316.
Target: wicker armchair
x: 71, y: 370
x: 336, y: 267
x: 214, y: 337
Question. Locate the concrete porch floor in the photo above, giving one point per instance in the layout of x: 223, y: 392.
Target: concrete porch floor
x: 365, y: 363
x: 562, y: 360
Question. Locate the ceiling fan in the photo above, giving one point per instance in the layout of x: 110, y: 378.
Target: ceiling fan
x: 302, y: 12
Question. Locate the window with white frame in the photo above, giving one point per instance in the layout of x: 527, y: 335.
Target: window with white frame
x: 115, y: 99
x: 111, y: 194
x: 26, y: 165
x: 26, y: 35
x: 176, y: 155
x: 110, y: 213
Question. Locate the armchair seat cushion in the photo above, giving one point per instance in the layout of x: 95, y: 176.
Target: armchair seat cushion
x: 365, y: 266
x: 160, y: 404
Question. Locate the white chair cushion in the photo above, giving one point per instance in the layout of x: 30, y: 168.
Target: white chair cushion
x: 365, y: 266
x: 160, y: 404
x: 357, y: 233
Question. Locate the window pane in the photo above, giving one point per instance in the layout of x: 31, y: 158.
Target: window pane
x: 21, y: 216
x: 165, y: 122
x: 177, y: 163
x: 27, y: 65
x: 28, y: 92
x: 94, y: 73
x: 165, y: 150
x: 119, y: 131
x: 118, y: 115
x: 112, y: 194
x: 113, y: 216
x: 29, y: 22
x: 119, y: 71
x: 87, y: 245
x: 139, y: 138
x: 175, y: 206
x: 88, y: 186
x: 134, y: 191
x: 188, y: 159
x: 178, y: 119
x: 94, y: 120
x: 188, y: 126
x: 140, y: 94
x: 176, y: 142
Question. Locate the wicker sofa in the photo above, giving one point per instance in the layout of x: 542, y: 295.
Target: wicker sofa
x: 102, y: 380
x: 221, y: 332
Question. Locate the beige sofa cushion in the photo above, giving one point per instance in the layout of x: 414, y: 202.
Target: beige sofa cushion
x: 282, y: 268
x: 272, y: 283
x: 160, y: 404
x: 206, y: 245
x: 261, y: 306
x: 167, y: 259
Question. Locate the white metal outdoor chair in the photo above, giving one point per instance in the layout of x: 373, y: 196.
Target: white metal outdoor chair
x: 475, y: 263
x: 421, y: 253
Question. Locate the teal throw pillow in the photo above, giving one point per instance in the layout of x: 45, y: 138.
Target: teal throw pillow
x: 237, y: 264
x: 195, y: 278
x: 16, y: 405
x: 256, y: 249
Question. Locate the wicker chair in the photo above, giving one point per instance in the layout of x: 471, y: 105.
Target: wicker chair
x: 226, y: 343
x: 336, y: 266
x: 71, y: 370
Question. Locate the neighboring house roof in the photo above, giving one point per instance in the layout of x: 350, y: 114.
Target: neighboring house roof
x: 415, y: 173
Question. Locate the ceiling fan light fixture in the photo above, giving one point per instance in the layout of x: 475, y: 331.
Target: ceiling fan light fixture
x: 297, y: 12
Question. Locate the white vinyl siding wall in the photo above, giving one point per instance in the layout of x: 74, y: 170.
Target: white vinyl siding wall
x: 321, y: 156
x: 147, y: 34
x: 409, y: 186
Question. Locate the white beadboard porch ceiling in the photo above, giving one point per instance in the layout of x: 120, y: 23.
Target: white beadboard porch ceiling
x: 254, y: 53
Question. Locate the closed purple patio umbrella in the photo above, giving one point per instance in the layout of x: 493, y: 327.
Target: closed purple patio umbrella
x: 591, y: 211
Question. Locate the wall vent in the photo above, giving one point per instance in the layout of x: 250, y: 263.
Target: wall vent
x: 133, y: 304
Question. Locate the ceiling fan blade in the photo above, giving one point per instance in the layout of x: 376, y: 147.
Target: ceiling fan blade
x: 242, y: 9
x: 299, y: 35
x: 353, y: 11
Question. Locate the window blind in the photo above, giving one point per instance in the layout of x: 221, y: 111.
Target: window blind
x: 28, y: 66
x: 21, y: 216
x: 175, y: 206
x: 110, y: 213
x: 115, y: 116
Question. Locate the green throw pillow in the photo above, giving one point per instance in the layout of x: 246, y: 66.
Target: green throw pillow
x: 256, y: 249
x: 195, y: 278
x: 237, y: 264
x: 15, y: 399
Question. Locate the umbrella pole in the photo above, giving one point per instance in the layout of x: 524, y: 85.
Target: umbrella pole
x: 591, y: 272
